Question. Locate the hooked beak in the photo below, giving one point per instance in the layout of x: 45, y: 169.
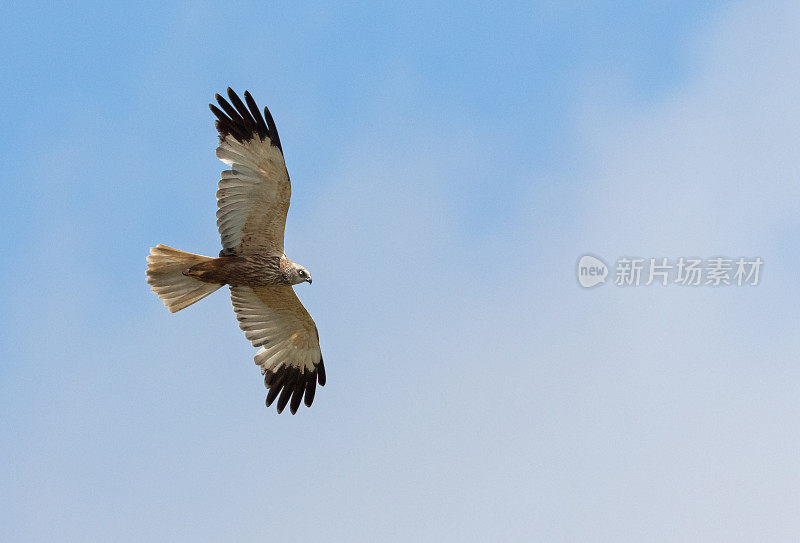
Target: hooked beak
x: 309, y: 280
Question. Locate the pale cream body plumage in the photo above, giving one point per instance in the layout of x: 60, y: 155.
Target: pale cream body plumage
x: 252, y: 201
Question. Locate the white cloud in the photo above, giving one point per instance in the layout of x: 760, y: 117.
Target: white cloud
x: 713, y: 166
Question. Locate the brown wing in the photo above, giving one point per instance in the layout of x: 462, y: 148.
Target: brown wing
x: 253, y: 196
x: 290, y: 358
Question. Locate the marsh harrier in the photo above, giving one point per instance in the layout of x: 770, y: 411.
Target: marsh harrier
x: 252, y: 201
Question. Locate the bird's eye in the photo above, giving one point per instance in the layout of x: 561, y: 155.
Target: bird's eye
x: 302, y: 273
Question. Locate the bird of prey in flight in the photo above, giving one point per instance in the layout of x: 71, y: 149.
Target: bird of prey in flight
x: 252, y: 202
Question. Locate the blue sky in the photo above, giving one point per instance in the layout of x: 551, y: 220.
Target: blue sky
x: 450, y: 164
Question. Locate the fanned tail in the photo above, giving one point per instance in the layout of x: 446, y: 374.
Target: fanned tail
x: 165, y: 273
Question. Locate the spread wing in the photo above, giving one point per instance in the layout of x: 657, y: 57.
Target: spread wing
x: 253, y: 196
x: 290, y: 358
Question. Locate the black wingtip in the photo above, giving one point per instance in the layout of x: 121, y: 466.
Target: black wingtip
x: 292, y: 386
x: 273, y: 131
x: 297, y: 394
x: 311, y: 388
x: 321, y: 373
x: 288, y: 388
x: 243, y: 122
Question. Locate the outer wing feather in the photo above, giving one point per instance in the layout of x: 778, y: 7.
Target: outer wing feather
x: 274, y: 320
x: 253, y: 196
x: 262, y: 126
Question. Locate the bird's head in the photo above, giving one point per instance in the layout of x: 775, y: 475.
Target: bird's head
x: 300, y: 275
